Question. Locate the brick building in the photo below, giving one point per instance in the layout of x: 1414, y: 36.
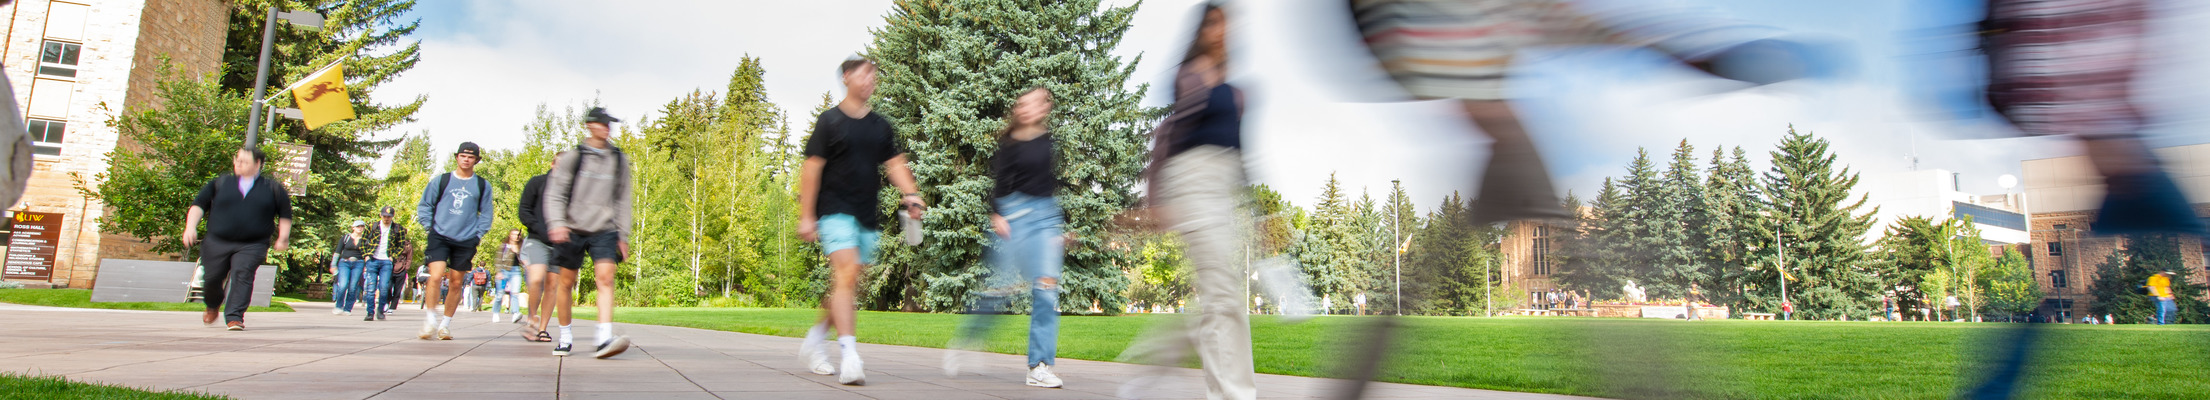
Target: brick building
x: 77, y: 64
x: 1528, y: 251
x: 2062, y: 195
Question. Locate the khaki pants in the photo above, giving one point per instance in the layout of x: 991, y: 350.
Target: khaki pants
x: 1200, y: 191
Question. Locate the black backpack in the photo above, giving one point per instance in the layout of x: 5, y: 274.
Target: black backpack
x: 621, y: 168
x: 481, y: 188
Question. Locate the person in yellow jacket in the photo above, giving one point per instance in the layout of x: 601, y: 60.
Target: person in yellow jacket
x: 2160, y: 286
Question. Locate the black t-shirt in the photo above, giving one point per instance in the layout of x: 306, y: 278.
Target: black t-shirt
x: 1220, y: 124
x: 1028, y: 167
x: 855, y: 149
x: 248, y: 217
x: 531, y: 209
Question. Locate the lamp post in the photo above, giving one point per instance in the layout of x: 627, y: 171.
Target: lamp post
x: 308, y: 20
x: 1780, y: 245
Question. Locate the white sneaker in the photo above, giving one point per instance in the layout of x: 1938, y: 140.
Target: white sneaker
x: 850, y: 373
x: 1041, y: 376
x: 954, y: 360
x: 816, y: 358
x: 495, y: 318
x: 429, y: 329
x: 335, y: 311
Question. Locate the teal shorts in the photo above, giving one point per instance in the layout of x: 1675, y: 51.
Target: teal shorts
x: 841, y: 231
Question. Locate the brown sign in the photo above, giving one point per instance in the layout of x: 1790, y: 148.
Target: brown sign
x: 31, y: 246
x: 295, y: 159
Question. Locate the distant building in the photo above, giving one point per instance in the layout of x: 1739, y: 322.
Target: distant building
x: 2062, y: 195
x: 74, y: 66
x: 1936, y: 194
x: 1529, y: 251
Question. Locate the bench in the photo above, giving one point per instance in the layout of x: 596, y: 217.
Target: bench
x: 1757, y: 316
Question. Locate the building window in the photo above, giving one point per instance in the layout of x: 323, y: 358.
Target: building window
x: 59, y: 59
x: 2056, y: 248
x: 46, y: 136
x: 1542, y: 250
x: 2057, y: 279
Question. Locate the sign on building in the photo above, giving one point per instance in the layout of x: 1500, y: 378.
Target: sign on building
x: 295, y: 159
x: 32, y: 244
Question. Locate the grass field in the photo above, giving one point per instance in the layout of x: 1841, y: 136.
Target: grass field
x: 1612, y: 357
x: 13, y: 386
x: 82, y: 298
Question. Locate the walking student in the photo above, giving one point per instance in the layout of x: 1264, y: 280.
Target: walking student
x: 587, y: 205
x: 250, y: 214
x: 345, y: 275
x: 852, y: 150
x: 455, y: 211
x: 1196, y: 175
x: 506, y: 293
x: 2160, y: 287
x: 536, y: 253
x: 1030, y: 246
x: 387, y: 247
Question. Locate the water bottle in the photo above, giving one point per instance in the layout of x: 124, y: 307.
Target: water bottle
x: 910, y: 225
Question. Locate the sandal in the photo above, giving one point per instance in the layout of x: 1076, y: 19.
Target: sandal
x: 542, y: 337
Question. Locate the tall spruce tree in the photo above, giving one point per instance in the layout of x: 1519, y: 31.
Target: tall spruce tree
x: 1593, y: 262
x: 1817, y: 225
x: 1730, y: 204
x: 950, y: 72
x: 1675, y: 223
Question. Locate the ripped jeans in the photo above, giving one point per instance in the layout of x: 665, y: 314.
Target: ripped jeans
x: 1031, y: 258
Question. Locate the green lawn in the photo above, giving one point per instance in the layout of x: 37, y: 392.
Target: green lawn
x: 14, y: 386
x: 82, y: 298
x: 1610, y: 357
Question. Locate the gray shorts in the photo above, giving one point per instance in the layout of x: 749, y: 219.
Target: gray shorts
x: 535, y: 252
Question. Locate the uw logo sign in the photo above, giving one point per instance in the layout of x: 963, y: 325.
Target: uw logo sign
x: 28, y: 217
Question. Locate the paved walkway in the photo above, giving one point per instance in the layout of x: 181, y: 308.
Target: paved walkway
x: 311, y: 354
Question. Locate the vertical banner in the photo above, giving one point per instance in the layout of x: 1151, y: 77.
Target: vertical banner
x: 32, y: 244
x: 294, y: 160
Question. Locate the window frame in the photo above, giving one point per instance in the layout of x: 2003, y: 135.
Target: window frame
x: 73, y: 68
x: 39, y: 144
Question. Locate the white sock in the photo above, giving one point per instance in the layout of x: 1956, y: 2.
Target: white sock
x: 851, y: 346
x: 567, y: 336
x: 606, y: 333
x: 817, y: 335
x: 444, y: 322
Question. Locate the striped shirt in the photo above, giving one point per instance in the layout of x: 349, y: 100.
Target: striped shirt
x: 1463, y: 48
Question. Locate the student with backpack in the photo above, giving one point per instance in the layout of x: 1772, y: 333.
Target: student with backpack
x: 587, y: 205
x: 454, y: 213
x: 536, y: 253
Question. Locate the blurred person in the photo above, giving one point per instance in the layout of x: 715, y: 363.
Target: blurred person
x: 2160, y: 287
x: 588, y: 205
x: 1030, y: 247
x: 16, y: 168
x: 1196, y: 176
x: 850, y: 153
x: 536, y: 253
x: 386, y: 243
x: 250, y: 215
x: 345, y: 273
x: 506, y: 295
x: 454, y: 212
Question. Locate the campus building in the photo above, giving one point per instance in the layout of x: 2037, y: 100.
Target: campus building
x: 1529, y: 253
x: 74, y: 66
x: 1937, y: 194
x: 2062, y: 195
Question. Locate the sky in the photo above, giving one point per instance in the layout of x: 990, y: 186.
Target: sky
x: 1316, y: 104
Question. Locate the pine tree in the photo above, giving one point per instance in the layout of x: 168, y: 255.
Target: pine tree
x: 1675, y: 228
x: 1593, y: 262
x: 950, y: 72
x: 1818, y: 227
x: 1730, y: 203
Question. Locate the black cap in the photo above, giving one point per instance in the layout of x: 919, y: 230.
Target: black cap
x: 599, y: 115
x: 387, y: 211
x: 470, y: 148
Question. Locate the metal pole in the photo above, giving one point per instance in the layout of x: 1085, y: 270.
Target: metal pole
x: 1781, y: 245
x: 1488, y: 291
x: 260, y: 79
x: 1399, y: 250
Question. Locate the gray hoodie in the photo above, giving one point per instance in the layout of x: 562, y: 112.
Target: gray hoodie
x: 597, y: 205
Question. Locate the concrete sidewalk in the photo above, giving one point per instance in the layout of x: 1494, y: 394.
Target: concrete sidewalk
x: 311, y: 354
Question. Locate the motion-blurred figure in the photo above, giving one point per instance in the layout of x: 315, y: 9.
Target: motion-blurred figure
x: 1030, y: 247
x: 1196, y: 178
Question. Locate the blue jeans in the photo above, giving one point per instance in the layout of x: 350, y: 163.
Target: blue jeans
x: 1034, y: 251
x: 2164, y: 310
x: 345, y: 285
x: 375, y: 276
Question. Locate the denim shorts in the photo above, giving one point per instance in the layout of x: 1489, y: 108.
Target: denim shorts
x: 841, y: 231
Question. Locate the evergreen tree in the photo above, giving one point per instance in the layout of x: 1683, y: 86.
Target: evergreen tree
x: 1730, y: 203
x: 1816, y: 226
x: 1593, y: 261
x: 950, y: 72
x: 2119, y: 280
x: 1675, y: 228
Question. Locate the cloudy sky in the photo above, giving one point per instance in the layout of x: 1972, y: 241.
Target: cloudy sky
x: 1317, y: 106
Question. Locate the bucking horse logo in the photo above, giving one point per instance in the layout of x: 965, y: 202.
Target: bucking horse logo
x: 315, y: 92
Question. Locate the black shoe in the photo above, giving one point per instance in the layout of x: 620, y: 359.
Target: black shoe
x: 380, y: 316
x: 613, y: 347
x: 369, y: 317
x: 562, y: 349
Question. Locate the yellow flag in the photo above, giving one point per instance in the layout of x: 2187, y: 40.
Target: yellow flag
x: 323, y: 97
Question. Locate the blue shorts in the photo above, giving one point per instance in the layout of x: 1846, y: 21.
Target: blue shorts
x: 841, y: 231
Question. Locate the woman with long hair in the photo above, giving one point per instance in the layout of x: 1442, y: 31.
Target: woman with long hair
x: 1196, y: 177
x: 1029, y: 249
x: 507, y: 298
